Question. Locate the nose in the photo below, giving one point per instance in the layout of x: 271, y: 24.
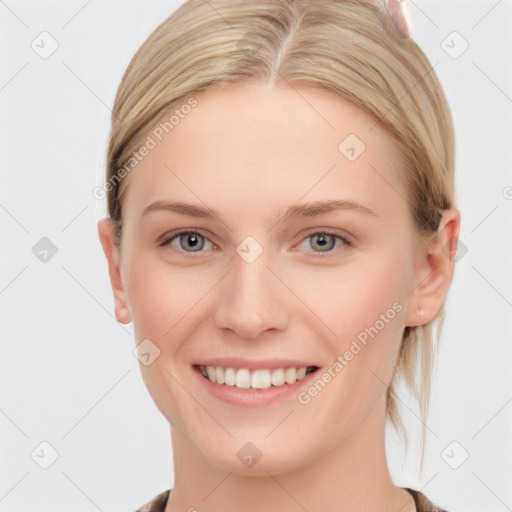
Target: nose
x: 252, y: 299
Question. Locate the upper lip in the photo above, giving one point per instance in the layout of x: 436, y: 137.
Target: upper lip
x: 234, y: 362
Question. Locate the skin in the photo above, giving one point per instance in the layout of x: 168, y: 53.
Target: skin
x: 249, y: 152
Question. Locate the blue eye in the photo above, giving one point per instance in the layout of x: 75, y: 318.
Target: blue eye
x: 325, y: 241
x: 186, y: 240
x: 193, y: 241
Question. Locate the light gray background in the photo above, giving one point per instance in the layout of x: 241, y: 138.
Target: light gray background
x: 68, y: 376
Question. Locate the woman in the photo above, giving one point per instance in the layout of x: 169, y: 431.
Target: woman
x: 281, y: 230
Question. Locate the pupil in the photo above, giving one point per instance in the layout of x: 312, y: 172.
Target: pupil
x: 192, y: 241
x: 322, y: 240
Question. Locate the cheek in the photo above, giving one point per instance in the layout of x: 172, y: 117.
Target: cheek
x: 165, y: 304
x: 364, y: 308
x: 164, y: 299
x: 363, y: 304
x: 349, y: 298
x: 153, y: 302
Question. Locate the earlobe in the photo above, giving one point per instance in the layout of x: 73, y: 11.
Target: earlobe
x: 112, y: 253
x: 434, y: 272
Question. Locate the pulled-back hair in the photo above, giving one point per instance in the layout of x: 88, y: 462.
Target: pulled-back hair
x: 345, y: 46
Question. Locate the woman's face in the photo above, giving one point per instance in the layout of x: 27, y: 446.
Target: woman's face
x: 264, y: 281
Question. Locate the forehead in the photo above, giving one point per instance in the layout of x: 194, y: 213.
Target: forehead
x: 257, y: 144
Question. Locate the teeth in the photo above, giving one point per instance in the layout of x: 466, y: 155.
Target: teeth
x: 243, y: 379
x: 278, y: 377
x: 261, y: 379
x: 258, y: 379
x: 219, y: 375
x: 290, y: 375
x: 211, y: 373
x: 229, y: 376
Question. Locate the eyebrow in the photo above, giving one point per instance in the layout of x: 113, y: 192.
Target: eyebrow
x: 292, y: 212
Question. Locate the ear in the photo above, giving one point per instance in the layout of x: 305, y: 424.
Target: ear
x: 112, y: 253
x: 434, y: 270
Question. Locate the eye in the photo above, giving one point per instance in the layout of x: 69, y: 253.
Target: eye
x: 325, y: 241
x: 193, y: 241
x: 184, y: 240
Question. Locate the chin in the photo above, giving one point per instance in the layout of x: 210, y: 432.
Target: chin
x: 256, y: 459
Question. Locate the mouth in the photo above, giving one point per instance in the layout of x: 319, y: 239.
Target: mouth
x: 259, y: 378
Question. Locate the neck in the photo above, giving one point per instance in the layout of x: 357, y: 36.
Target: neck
x: 352, y: 477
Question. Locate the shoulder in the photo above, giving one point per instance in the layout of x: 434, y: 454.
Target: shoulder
x: 423, y: 504
x: 156, y: 504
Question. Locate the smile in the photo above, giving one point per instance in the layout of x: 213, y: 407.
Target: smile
x: 260, y: 378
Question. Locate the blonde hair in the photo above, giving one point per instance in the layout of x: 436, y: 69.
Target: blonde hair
x: 345, y: 46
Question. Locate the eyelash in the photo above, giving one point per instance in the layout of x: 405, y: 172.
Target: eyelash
x: 346, y: 243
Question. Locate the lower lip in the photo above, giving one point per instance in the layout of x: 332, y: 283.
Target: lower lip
x: 253, y: 397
